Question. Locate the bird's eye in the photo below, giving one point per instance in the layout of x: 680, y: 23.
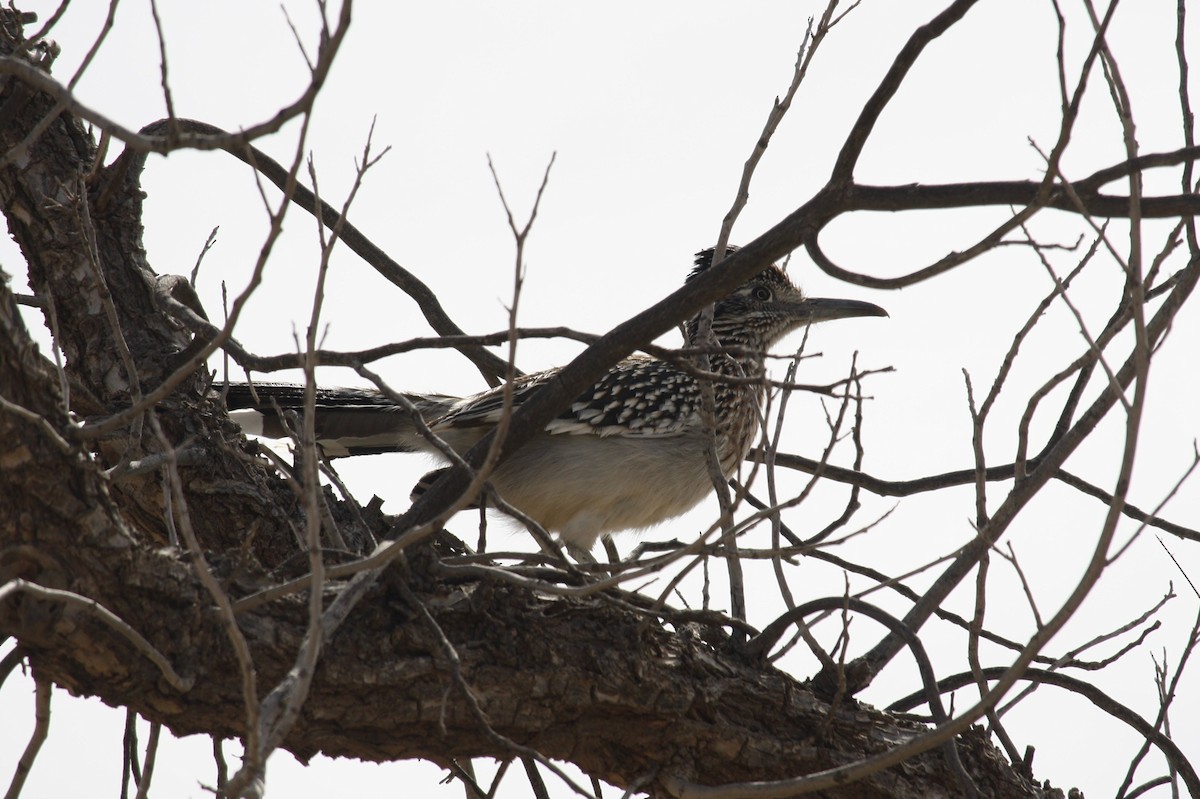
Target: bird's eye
x: 761, y: 293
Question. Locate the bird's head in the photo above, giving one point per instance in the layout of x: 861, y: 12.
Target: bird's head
x: 767, y: 307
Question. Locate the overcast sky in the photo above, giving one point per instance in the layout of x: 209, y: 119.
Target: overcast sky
x: 651, y: 110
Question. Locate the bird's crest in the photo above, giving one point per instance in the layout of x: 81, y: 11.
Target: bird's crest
x: 704, y: 261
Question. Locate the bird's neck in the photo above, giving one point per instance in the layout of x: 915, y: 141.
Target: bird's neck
x: 730, y: 355
x: 738, y: 363
x: 743, y: 395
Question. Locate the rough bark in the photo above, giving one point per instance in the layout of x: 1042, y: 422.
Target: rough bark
x: 623, y: 695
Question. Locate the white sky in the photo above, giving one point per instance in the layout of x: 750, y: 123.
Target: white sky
x: 652, y: 109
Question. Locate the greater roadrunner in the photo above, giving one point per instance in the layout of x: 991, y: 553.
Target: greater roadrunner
x: 627, y: 454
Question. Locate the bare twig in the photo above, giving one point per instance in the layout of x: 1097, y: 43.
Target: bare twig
x: 41, y: 729
x: 330, y: 42
x: 1090, y: 692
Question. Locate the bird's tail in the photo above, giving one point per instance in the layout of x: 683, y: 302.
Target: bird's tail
x: 349, y: 421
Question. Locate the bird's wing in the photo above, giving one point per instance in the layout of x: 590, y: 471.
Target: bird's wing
x: 639, y: 396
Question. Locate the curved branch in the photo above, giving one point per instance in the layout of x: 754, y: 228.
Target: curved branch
x: 177, y: 138
x: 843, y: 169
x: 1077, y: 199
x: 936, y: 482
x: 1088, y: 691
x: 825, y: 682
x: 489, y: 364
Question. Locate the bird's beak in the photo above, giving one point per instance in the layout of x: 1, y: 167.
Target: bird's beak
x: 818, y: 309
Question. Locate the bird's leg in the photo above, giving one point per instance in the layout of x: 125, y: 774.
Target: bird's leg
x: 580, y: 554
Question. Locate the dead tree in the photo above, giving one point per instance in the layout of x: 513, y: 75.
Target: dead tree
x: 153, y: 557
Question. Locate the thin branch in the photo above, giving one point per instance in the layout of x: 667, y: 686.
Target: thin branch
x: 760, y: 646
x: 936, y: 482
x: 41, y: 729
x: 331, y: 41
x: 1090, y: 692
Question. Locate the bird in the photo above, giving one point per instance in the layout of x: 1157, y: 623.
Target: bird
x: 630, y: 452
